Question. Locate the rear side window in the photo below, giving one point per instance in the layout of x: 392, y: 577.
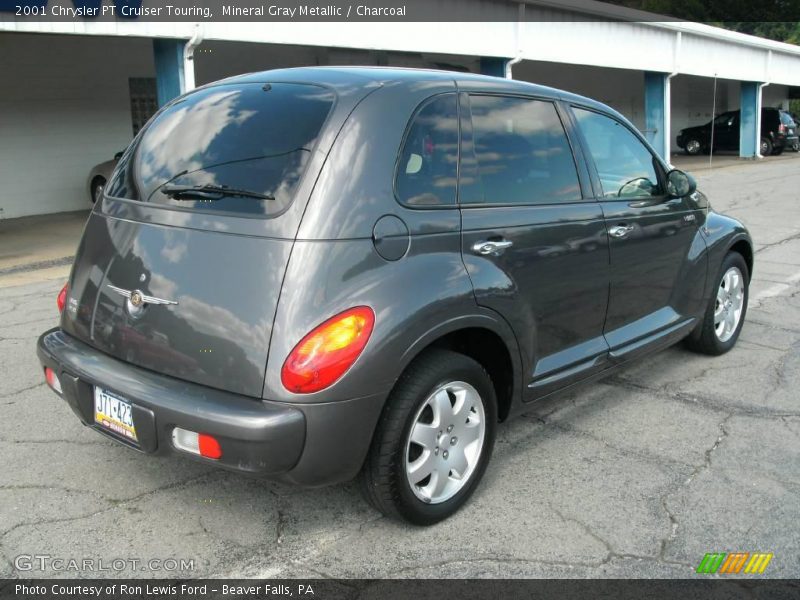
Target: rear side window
x: 786, y: 119
x: 522, y: 152
x: 428, y: 167
x: 624, y: 164
x: 247, y: 145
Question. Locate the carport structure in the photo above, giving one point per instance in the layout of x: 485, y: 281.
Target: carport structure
x: 581, y: 55
x: 659, y: 74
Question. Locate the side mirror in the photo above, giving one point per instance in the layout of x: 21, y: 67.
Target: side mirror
x: 680, y: 184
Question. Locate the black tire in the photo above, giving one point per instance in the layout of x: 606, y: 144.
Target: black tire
x: 694, y: 147
x: 384, y: 479
x: 766, y: 146
x: 96, y: 191
x: 704, y: 338
x: 777, y: 151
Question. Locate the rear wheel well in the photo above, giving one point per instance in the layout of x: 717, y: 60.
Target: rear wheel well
x: 743, y: 248
x: 488, y: 348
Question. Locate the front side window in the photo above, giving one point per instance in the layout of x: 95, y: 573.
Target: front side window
x: 725, y: 120
x: 428, y: 167
x: 522, y: 152
x: 624, y: 164
x: 237, y: 148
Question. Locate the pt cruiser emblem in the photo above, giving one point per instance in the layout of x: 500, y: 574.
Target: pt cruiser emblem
x: 137, y: 299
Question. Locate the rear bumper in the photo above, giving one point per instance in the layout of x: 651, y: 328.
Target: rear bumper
x: 257, y: 437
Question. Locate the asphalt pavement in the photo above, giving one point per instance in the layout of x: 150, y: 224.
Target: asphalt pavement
x: 638, y: 475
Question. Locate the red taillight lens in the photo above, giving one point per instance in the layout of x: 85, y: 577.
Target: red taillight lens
x: 324, y: 355
x: 61, y: 300
x: 209, y: 446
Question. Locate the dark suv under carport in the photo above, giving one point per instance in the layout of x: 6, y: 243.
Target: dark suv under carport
x: 778, y: 132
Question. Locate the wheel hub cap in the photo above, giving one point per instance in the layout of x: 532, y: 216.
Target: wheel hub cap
x: 729, y: 304
x: 445, y: 442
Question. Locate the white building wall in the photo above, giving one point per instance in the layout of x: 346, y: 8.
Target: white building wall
x: 621, y: 89
x: 64, y: 107
x: 775, y: 95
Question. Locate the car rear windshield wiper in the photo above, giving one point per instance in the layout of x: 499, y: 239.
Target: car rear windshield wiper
x: 209, y: 192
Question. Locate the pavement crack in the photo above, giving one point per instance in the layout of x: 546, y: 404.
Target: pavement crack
x: 659, y: 459
x: 780, y: 242
x: 14, y: 393
x: 586, y: 529
x: 706, y: 464
x: 72, y: 442
x: 703, y: 401
x: 279, y: 526
x: 113, y: 504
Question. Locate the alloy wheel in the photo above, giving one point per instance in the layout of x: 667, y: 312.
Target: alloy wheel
x: 445, y: 442
x: 729, y: 304
x: 693, y: 146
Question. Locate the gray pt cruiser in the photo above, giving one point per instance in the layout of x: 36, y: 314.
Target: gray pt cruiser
x: 311, y: 274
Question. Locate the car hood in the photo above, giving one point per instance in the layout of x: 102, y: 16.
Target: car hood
x: 695, y: 129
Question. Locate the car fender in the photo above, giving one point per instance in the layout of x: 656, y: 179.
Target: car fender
x: 478, y: 317
x: 722, y: 233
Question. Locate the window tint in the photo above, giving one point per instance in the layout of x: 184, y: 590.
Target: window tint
x: 522, y: 152
x: 243, y: 136
x: 428, y: 165
x: 625, y: 165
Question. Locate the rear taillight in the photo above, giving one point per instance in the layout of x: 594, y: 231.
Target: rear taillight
x: 61, y: 299
x: 324, y: 355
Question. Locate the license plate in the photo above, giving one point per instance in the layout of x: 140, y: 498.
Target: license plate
x: 114, y: 413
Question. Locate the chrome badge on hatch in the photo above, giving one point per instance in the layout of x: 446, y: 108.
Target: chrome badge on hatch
x: 137, y: 300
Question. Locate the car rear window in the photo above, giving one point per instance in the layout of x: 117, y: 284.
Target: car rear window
x: 238, y: 148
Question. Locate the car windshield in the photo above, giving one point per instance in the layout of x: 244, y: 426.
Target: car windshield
x: 253, y: 138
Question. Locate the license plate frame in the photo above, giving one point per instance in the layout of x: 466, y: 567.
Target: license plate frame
x: 114, y: 413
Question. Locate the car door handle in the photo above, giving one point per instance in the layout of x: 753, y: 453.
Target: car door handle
x: 491, y: 247
x: 620, y: 231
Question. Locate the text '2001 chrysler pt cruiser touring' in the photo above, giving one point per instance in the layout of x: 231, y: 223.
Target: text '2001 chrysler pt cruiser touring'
x: 311, y: 274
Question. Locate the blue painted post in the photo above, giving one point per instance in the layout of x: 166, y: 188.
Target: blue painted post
x: 496, y: 67
x: 168, y: 56
x: 749, y: 122
x: 656, y: 103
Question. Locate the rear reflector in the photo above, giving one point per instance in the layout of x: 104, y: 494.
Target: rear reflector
x: 201, y: 444
x: 52, y: 379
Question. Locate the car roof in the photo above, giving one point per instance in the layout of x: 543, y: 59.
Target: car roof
x: 340, y: 77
